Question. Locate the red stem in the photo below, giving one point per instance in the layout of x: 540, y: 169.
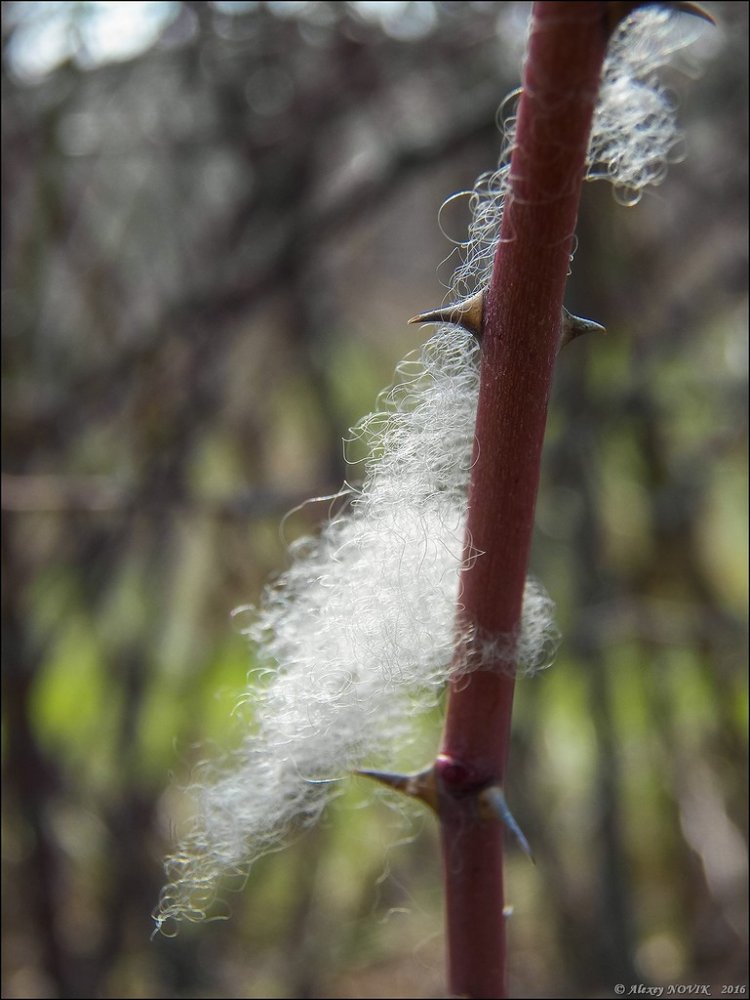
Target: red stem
x: 520, y: 342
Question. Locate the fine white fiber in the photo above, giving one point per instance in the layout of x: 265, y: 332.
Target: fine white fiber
x: 358, y: 634
x: 635, y: 130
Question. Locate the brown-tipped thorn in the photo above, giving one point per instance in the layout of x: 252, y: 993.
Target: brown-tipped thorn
x: 492, y: 805
x: 617, y: 12
x: 467, y: 314
x: 574, y: 326
x: 421, y: 785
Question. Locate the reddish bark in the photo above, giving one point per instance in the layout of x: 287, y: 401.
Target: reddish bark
x: 521, y: 332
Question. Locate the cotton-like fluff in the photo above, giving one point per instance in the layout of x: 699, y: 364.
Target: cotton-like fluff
x: 635, y: 132
x: 359, y: 634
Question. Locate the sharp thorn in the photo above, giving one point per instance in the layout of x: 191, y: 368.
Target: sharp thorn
x: 417, y: 786
x: 492, y: 799
x: 696, y: 9
x: 467, y: 314
x: 574, y: 326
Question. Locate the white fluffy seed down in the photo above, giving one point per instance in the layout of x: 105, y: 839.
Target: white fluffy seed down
x: 358, y: 635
